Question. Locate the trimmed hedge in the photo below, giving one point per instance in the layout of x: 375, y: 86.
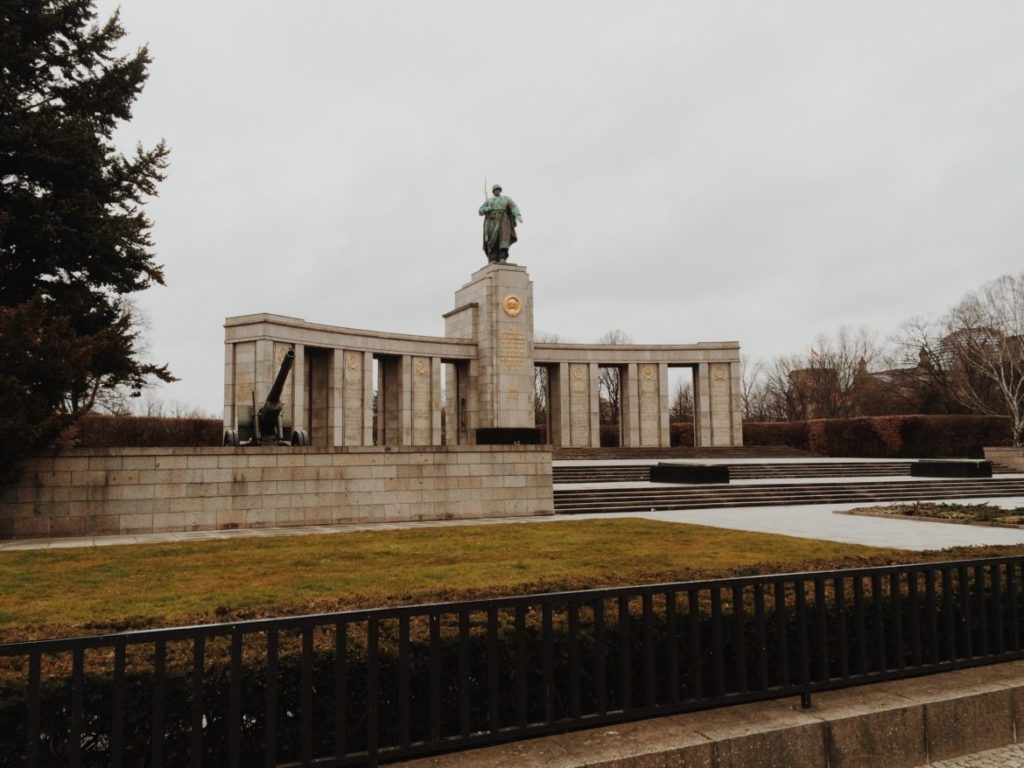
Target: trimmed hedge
x: 959, y: 436
x: 96, y: 431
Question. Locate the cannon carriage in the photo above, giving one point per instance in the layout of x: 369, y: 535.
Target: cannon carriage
x: 268, y: 424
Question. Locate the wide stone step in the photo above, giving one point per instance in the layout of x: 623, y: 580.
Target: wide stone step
x: 693, y: 497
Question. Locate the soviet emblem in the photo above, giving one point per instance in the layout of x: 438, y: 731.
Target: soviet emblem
x: 577, y: 372
x: 421, y: 367
x: 647, y: 372
x: 352, y: 361
x: 719, y: 374
x: 512, y: 305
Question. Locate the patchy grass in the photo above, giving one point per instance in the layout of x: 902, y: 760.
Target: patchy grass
x: 90, y: 590
x: 962, y: 513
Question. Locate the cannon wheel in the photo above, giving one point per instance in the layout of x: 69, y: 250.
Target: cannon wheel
x: 231, y: 437
x: 300, y: 437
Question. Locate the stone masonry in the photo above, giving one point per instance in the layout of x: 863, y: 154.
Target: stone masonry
x: 79, y: 492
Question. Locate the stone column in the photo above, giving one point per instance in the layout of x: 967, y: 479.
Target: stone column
x: 353, y: 394
x: 421, y: 400
x: 335, y: 398
x: 229, y: 386
x: 702, y: 406
x: 630, y: 419
x: 735, y: 377
x: 594, y: 380
x: 720, y: 395
x: 664, y: 422
x: 298, y: 388
x: 405, y: 400
x: 579, y: 405
x: 436, y: 403
x: 650, y: 404
x: 367, y: 379
x: 559, y: 404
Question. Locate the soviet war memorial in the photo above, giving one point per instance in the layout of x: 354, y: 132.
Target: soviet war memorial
x: 315, y: 455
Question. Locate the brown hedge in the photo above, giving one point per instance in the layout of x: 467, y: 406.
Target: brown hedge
x: 96, y: 431
x: 958, y: 436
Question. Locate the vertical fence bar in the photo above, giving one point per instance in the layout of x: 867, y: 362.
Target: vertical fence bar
x: 493, y: 692
x: 198, y: 663
x: 839, y: 590
x: 982, y: 609
x: 997, y: 610
x: 235, y: 702
x: 435, y: 676
x: 672, y: 647
x: 404, y: 691
x: 821, y: 627
x: 648, y: 629
x: 270, y: 728
x: 32, y: 720
x: 306, y: 696
x: 574, y: 659
x: 372, y: 688
x: 521, y: 700
x: 914, y: 601
x: 858, y: 617
x: 600, y: 659
x: 340, y: 688
x: 1011, y: 594
x: 464, y: 699
x: 803, y: 641
x: 739, y: 638
x: 695, y: 660
x: 896, y: 603
x: 77, y: 714
x: 949, y: 627
x: 761, y: 632
x: 625, y: 655
x: 964, y: 588
x: 782, y: 630
x: 879, y: 605
x: 717, y: 649
x: 931, y: 609
x: 117, y: 721
x: 548, y: 650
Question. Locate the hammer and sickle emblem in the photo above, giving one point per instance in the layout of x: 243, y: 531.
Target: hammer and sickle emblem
x: 352, y: 361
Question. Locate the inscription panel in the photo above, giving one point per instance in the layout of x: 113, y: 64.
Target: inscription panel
x: 512, y: 348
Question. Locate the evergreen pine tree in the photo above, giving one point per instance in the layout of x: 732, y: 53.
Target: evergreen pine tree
x: 74, y: 239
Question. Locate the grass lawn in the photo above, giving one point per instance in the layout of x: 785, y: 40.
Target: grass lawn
x: 93, y: 590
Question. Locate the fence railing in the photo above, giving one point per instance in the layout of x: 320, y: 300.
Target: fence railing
x: 369, y: 686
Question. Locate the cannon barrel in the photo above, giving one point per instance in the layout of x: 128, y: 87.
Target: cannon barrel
x: 274, y: 396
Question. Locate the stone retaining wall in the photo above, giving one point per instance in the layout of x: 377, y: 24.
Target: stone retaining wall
x: 1011, y: 457
x: 80, y: 492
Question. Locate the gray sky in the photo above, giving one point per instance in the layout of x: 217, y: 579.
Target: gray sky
x: 686, y: 171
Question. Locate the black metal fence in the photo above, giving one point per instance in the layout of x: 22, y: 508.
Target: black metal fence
x: 363, y: 687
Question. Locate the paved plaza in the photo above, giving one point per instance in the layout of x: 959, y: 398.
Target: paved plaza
x: 1004, y: 757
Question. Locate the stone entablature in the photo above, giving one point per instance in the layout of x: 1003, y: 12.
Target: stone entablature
x: 83, y: 492
x: 484, y: 366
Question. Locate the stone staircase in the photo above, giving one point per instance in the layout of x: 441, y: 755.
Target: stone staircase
x: 679, y: 452
x: 591, y: 473
x: 664, y: 497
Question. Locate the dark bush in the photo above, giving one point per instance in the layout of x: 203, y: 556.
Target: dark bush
x: 144, y: 431
x: 957, y: 436
x: 681, y: 433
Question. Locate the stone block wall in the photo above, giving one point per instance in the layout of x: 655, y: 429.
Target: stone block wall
x: 1010, y: 457
x: 80, y: 492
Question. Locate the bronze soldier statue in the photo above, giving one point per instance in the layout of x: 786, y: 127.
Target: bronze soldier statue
x: 500, y: 216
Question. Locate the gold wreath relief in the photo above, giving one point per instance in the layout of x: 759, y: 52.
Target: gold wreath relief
x: 352, y: 361
x: 719, y: 374
x: 512, y: 305
x: 577, y: 372
x: 421, y: 367
x: 647, y: 372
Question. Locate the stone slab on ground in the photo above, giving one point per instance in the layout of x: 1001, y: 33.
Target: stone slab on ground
x: 1003, y: 757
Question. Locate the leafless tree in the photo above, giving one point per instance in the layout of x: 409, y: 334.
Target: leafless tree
x: 983, y: 345
x: 681, y: 408
x: 609, y: 380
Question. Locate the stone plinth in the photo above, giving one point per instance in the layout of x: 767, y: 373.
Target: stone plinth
x: 495, y: 309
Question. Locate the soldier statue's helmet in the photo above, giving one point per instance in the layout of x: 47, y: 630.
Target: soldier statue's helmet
x: 496, y: 188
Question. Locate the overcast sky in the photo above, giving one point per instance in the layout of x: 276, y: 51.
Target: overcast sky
x: 686, y: 171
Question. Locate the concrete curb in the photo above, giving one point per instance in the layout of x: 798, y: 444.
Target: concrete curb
x: 900, y: 724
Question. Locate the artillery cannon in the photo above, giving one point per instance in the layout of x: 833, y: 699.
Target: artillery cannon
x: 267, y: 424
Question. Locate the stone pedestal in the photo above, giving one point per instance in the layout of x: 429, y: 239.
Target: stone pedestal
x: 495, y: 309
